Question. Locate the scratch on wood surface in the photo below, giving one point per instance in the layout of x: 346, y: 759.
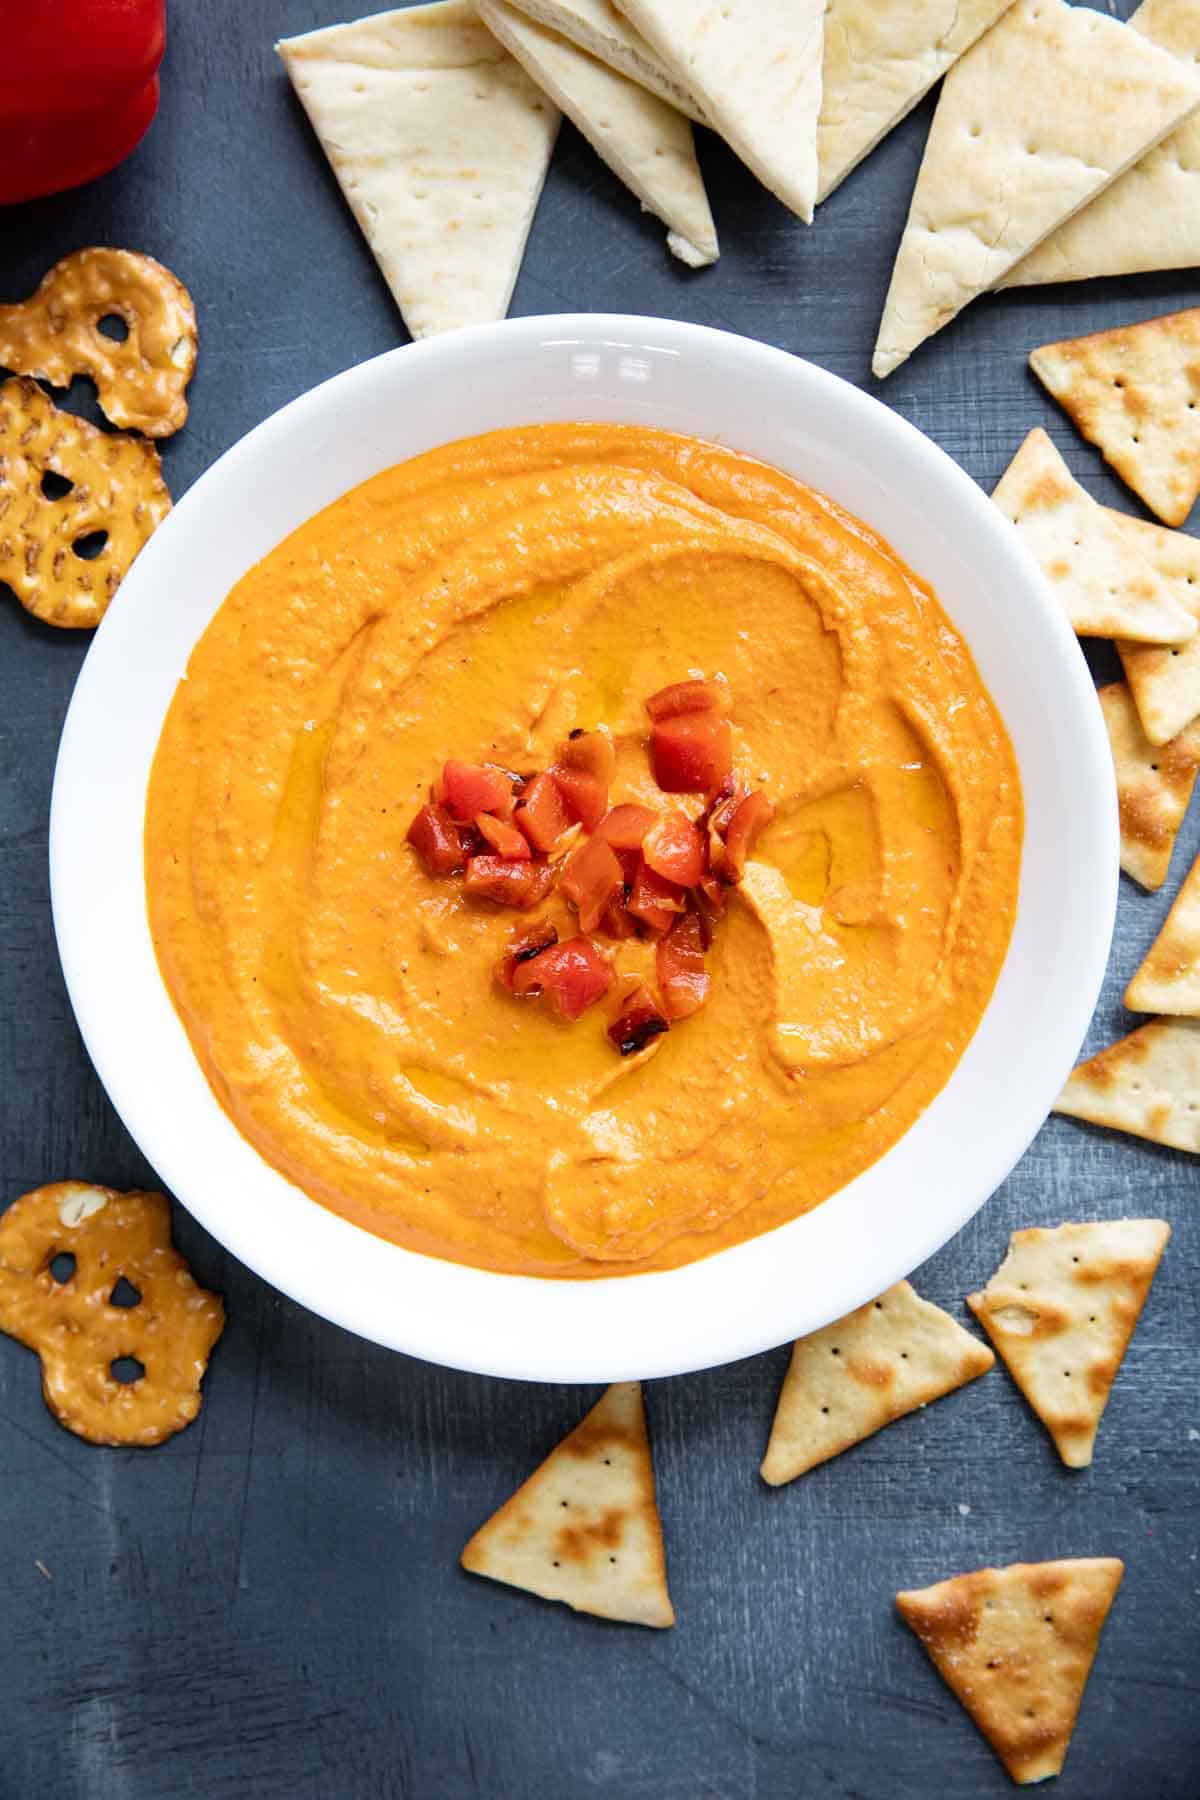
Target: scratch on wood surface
x: 41, y: 1568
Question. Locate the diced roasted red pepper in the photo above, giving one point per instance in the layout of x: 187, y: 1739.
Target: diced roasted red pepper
x: 638, y: 1023
x: 542, y: 814
x: 617, y: 921
x: 504, y: 839
x: 753, y: 814
x: 466, y: 789
x: 653, y: 901
x: 591, y: 752
x: 685, y: 697
x: 674, y: 848
x: 586, y: 796
x: 591, y: 877
x: 625, y: 826
x: 437, y: 840
x: 524, y: 944
x: 508, y: 883
x: 691, y: 753
x: 683, y: 979
x: 575, y: 975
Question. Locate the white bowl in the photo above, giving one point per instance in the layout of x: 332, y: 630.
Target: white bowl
x: 713, y: 385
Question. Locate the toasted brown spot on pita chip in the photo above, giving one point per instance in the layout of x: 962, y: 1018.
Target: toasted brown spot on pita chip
x: 1154, y: 785
x: 844, y: 1383
x: 1147, y: 1083
x: 1165, y: 680
x: 1016, y: 1646
x: 1169, y: 978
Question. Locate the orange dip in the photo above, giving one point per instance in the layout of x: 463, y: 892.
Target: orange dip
x: 481, y: 602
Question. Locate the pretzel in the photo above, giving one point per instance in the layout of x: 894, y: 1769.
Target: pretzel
x: 55, y: 335
x: 79, y: 1333
x: 115, y: 486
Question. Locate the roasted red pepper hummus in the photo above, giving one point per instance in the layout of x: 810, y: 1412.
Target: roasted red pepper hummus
x: 355, y: 992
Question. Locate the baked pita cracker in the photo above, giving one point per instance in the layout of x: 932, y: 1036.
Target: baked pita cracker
x: 844, y: 1383
x: 1169, y: 978
x: 597, y: 27
x: 1147, y: 1084
x: 1154, y: 786
x: 1150, y: 217
x: 1135, y: 393
x: 754, y: 67
x: 1106, y: 586
x: 1015, y: 1647
x: 1047, y: 109
x: 646, y: 143
x: 1061, y: 1309
x: 584, y: 1529
x: 881, y: 58
x: 440, y: 143
x: 1165, y: 681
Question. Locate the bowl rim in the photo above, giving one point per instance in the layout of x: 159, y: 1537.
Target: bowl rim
x: 734, y: 1303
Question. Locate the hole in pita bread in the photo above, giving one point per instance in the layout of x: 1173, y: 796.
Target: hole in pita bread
x: 1049, y: 1618
x: 824, y: 1409
x: 992, y: 1662
x: 55, y: 487
x: 564, y: 1503
x: 554, y: 1564
x: 904, y: 1356
x: 879, y: 1306
x: 1117, y: 382
x: 612, y: 1559
x: 89, y: 546
x: 1134, y: 438
x: 835, y: 1351
x: 1066, y: 1374
x: 608, y: 1462
x: 62, y: 1266
x: 976, y: 131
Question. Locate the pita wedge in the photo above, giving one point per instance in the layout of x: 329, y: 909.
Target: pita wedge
x: 597, y: 27
x: 1135, y: 394
x: 754, y: 67
x: 645, y: 142
x: 1049, y: 107
x: 1061, y: 1309
x: 440, y: 143
x: 1015, y: 1646
x: 1147, y: 1084
x: 1165, y: 682
x: 584, y: 1529
x: 1169, y: 978
x: 1150, y: 217
x: 1154, y: 786
x: 881, y: 58
x: 1106, y: 586
x: 844, y: 1383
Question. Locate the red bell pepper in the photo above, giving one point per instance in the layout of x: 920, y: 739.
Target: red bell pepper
x: 78, y: 89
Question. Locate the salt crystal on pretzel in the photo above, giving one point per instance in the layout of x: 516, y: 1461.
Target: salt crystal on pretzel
x: 115, y: 486
x: 142, y: 379
x: 79, y: 1332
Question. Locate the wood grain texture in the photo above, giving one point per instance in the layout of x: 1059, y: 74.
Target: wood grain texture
x: 269, y: 1607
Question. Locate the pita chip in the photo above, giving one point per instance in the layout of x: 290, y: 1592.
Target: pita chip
x: 1147, y: 1084
x: 1169, y: 978
x: 440, y: 144
x: 1039, y: 116
x: 1165, y: 681
x: 1154, y: 786
x: 844, y: 1383
x: 1015, y: 1646
x: 645, y: 142
x: 597, y: 27
x: 754, y: 67
x: 1135, y: 393
x: 1106, y: 586
x: 1061, y: 1309
x: 881, y: 58
x: 1150, y: 217
x: 584, y: 1529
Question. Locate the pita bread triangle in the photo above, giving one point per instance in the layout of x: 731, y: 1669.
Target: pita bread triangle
x: 846, y: 1382
x: 1039, y: 116
x: 597, y: 27
x: 754, y: 67
x: 440, y: 144
x: 645, y: 142
x: 1169, y: 978
x: 1135, y: 393
x: 1061, y: 1309
x: 1154, y: 786
x: 1150, y: 217
x: 1015, y: 1647
x: 1106, y: 586
x: 1147, y: 1084
x: 880, y: 61
x: 1165, y: 682
x: 584, y: 1529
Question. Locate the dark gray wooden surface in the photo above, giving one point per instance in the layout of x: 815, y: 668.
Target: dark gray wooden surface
x: 270, y: 1605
